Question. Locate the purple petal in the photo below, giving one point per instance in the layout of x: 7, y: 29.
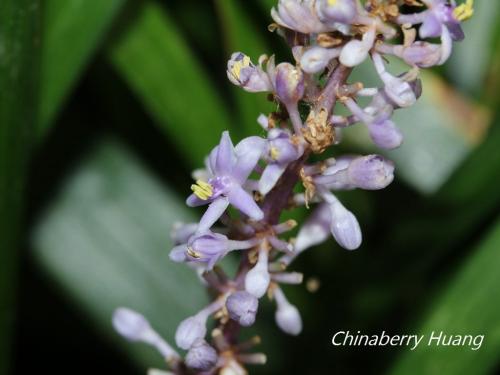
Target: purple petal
x: 315, y: 230
x: 194, y: 201
x: 345, y: 227
x: 244, y: 202
x: 248, y: 153
x: 178, y: 254
x: 431, y: 27
x: 270, y: 177
x: 212, y: 214
x: 225, y: 155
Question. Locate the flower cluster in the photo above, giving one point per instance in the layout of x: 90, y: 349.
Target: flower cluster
x: 258, y: 176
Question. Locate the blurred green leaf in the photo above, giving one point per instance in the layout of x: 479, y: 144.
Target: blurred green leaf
x: 468, y: 306
x: 471, y: 58
x: 73, y: 30
x: 240, y: 34
x: 440, y: 130
x: 105, y: 242
x: 19, y: 63
x: 157, y: 63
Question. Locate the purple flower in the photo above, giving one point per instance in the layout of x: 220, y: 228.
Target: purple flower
x: 343, y: 11
x: 356, y: 51
x: 289, y: 83
x: 208, y: 247
x: 243, y: 73
x: 298, y: 15
x: 371, y: 172
x: 229, y: 168
x: 281, y: 152
x: 330, y: 217
x: 439, y: 18
x: 287, y: 316
x: 257, y: 279
x: 201, y: 356
x: 316, y: 59
x: 134, y: 327
x: 242, y: 307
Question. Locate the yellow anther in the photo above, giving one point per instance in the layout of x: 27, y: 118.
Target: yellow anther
x: 238, y: 65
x: 202, y: 190
x: 332, y: 2
x: 275, y: 153
x: 193, y: 254
x: 464, y: 11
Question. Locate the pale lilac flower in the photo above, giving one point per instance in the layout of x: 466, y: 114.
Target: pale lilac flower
x: 332, y: 11
x: 397, y: 89
x: 257, y: 279
x: 242, y: 72
x: 242, y: 307
x: 382, y: 129
x: 229, y: 168
x: 421, y: 54
x: 201, y: 356
x: 281, y: 151
x: 289, y: 84
x: 208, y: 248
x: 316, y: 59
x: 134, y: 327
x: 371, y: 172
x: 287, y: 316
x: 356, y: 51
x: 440, y: 14
x: 298, y: 15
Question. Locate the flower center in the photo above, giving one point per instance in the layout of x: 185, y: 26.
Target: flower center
x: 202, y: 190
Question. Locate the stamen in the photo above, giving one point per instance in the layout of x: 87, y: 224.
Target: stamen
x: 193, y: 254
x: 332, y: 2
x: 275, y: 153
x: 464, y: 11
x: 238, y: 65
x: 202, y: 190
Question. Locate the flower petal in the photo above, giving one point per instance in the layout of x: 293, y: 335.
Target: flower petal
x: 248, y: 153
x: 270, y: 177
x: 225, y: 155
x: 244, y: 202
x: 212, y: 214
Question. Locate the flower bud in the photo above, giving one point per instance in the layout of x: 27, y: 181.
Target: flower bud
x: 242, y: 72
x: 342, y: 11
x: 371, y: 172
x: 315, y: 230
x: 134, y: 327
x: 257, y: 279
x: 130, y: 324
x: 190, y: 330
x: 343, y: 225
x: 421, y: 54
x: 289, y: 83
x: 356, y: 51
x: 315, y: 59
x: 242, y: 307
x: 287, y: 316
x: 181, y: 232
x: 207, y: 248
x: 385, y: 134
x: 201, y: 356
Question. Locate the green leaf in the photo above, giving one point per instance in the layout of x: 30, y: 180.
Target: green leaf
x: 468, y: 306
x: 440, y: 130
x: 471, y: 58
x: 240, y: 34
x: 73, y: 30
x: 160, y: 68
x: 105, y: 241
x: 19, y: 62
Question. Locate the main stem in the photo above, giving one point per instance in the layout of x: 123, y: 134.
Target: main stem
x: 279, y: 197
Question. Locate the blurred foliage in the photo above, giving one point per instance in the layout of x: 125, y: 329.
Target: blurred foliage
x: 153, y: 74
x: 19, y: 48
